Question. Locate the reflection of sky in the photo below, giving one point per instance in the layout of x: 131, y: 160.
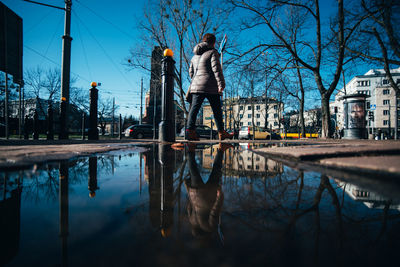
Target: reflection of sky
x: 115, y: 225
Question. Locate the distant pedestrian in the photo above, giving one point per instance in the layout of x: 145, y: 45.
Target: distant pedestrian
x: 207, y: 82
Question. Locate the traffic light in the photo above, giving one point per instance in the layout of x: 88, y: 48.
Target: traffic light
x: 371, y: 115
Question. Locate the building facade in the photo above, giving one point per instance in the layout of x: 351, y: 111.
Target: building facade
x: 257, y: 111
x: 382, y: 106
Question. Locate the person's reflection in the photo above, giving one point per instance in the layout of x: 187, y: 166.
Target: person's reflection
x: 92, y: 183
x: 205, y: 199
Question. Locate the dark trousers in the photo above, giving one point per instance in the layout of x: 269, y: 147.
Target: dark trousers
x: 195, y: 177
x: 197, y: 101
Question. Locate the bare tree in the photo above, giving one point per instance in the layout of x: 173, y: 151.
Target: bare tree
x: 178, y: 25
x: 379, y: 39
x: 308, y: 48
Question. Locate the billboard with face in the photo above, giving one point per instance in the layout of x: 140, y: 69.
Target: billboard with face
x: 356, y: 111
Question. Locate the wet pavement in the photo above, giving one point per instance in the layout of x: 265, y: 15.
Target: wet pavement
x: 202, y: 204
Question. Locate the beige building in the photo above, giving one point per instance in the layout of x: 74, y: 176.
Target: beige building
x: 381, y: 104
x: 238, y: 112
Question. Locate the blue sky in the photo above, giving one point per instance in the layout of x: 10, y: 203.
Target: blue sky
x: 103, y: 31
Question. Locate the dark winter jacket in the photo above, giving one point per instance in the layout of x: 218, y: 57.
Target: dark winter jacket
x: 209, y: 77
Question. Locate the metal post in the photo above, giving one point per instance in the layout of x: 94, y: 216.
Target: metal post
x: 6, y: 107
x: 50, y: 130
x: 141, y: 101
x: 26, y: 130
x: 19, y: 112
x: 113, y: 117
x: 120, y: 127
x: 93, y: 132
x: 166, y: 126
x: 36, y: 126
x: 65, y: 72
x: 83, y: 125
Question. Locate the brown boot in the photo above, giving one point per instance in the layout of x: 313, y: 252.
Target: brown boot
x: 191, y: 135
x: 224, y: 135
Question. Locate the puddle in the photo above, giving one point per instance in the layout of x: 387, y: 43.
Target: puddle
x: 195, y: 206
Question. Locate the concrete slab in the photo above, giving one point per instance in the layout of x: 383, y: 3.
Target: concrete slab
x: 314, y: 150
x: 389, y: 164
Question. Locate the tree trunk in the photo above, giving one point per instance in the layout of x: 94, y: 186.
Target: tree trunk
x: 302, y: 124
x: 326, y: 117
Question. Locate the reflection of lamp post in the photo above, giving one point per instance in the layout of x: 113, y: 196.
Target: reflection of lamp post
x: 64, y: 210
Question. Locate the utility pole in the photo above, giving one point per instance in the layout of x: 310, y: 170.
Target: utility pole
x: 66, y: 67
x: 65, y: 72
x: 141, y: 101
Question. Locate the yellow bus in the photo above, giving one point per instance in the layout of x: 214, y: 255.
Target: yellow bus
x: 297, y: 135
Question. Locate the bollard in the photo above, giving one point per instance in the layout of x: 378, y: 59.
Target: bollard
x: 167, y: 124
x: 50, y: 129
x: 26, y: 127
x: 35, y: 126
x: 93, y: 133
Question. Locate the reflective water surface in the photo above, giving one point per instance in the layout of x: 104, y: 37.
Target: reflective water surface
x: 192, y: 206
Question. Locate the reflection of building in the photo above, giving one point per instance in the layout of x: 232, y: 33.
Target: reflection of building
x: 243, y: 111
x: 382, y: 102
x: 370, y: 199
x: 242, y: 162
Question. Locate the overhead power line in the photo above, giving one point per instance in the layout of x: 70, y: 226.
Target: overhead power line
x: 106, y: 20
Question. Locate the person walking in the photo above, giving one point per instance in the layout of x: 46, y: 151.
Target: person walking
x: 207, y: 82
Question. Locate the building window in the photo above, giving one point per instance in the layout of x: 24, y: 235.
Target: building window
x: 240, y: 116
x: 363, y: 83
x: 249, y: 123
x: 258, y: 115
x: 275, y: 107
x: 249, y: 116
x: 258, y: 123
x: 257, y: 167
x: 275, y: 123
x: 386, y: 112
x: 258, y: 107
x: 385, y: 81
x: 368, y: 105
x: 241, y: 124
x: 248, y: 107
x: 386, y: 102
x: 276, y: 115
x: 385, y: 122
x: 386, y: 92
x: 240, y: 107
x: 267, y: 115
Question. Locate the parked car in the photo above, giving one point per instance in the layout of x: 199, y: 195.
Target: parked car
x: 202, y: 131
x: 246, y: 132
x: 140, y: 131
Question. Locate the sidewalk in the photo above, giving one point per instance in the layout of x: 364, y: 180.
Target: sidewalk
x: 378, y: 158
